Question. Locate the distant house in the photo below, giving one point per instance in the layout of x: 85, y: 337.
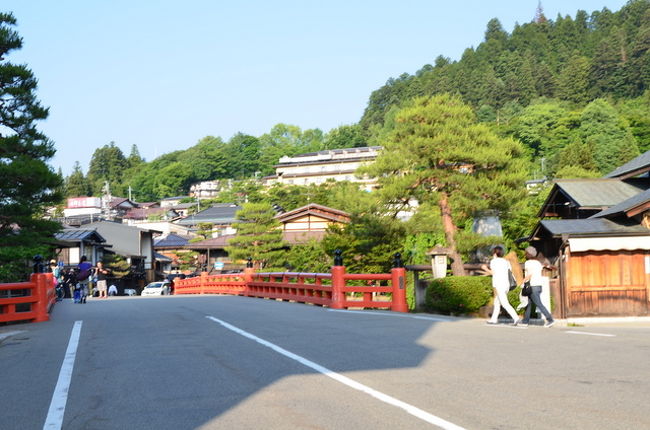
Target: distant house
x: 182, y: 209
x: 72, y: 243
x: 164, y: 227
x: 135, y: 244
x: 601, y: 246
x: 140, y: 214
x: 310, y: 222
x: 208, y: 189
x: 171, y: 201
x: 213, y: 253
x: 221, y: 216
x: 81, y: 210
x: 582, y: 198
x: 168, y: 246
x: 319, y: 167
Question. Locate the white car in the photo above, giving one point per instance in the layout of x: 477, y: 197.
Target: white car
x: 156, y: 289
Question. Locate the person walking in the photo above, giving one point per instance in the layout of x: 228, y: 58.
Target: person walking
x: 498, y: 269
x: 83, y: 275
x: 533, y: 275
x: 102, y: 274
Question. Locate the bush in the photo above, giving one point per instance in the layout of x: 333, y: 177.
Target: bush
x: 458, y: 294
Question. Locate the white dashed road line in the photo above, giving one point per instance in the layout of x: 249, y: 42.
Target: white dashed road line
x: 55, y: 414
x: 590, y: 334
x: 419, y: 413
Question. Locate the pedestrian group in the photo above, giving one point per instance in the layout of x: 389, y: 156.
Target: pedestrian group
x: 501, y: 272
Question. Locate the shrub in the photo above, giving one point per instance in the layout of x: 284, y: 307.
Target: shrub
x: 458, y: 294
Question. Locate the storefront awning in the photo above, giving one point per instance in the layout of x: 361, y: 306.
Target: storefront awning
x: 628, y: 243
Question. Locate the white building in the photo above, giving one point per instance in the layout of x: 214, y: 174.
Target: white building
x: 83, y: 206
x: 318, y: 167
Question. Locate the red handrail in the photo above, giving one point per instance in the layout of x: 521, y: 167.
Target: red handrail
x: 28, y: 301
x: 323, y: 289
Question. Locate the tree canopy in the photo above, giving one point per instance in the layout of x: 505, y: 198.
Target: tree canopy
x: 28, y: 183
x: 438, y: 152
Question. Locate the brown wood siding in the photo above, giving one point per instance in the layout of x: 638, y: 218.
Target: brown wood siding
x: 607, y: 283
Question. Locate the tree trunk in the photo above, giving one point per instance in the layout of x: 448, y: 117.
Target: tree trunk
x: 457, y: 268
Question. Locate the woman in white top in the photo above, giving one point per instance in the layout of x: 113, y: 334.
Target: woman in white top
x: 533, y: 271
x: 499, y: 267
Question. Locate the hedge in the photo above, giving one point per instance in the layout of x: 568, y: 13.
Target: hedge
x: 462, y: 294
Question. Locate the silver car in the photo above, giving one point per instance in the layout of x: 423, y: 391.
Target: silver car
x: 156, y: 289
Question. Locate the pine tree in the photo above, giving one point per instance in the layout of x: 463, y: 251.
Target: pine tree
x: 77, y: 185
x: 107, y: 164
x: 259, y: 236
x: 28, y: 184
x: 439, y: 154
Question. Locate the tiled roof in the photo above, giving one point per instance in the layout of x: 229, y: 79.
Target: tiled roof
x: 171, y: 241
x: 637, y: 166
x: 587, y: 227
x: 79, y: 235
x: 598, y: 192
x: 222, y: 213
x: 315, y: 209
x: 625, y: 205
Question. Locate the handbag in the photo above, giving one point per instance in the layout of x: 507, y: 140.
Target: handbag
x: 512, y: 280
x: 527, y: 290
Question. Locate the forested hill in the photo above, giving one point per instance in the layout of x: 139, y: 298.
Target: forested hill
x: 602, y: 54
x: 574, y: 90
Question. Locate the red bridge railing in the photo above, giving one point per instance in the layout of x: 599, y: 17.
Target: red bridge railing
x: 325, y: 289
x: 28, y: 301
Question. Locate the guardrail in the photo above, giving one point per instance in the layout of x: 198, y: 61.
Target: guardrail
x: 323, y: 289
x: 28, y: 301
x: 334, y: 289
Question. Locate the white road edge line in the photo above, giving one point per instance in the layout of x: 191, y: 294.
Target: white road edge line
x: 416, y: 317
x: 590, y: 334
x: 419, y: 413
x: 55, y: 414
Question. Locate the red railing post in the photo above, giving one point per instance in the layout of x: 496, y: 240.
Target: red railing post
x: 248, y: 278
x: 338, y: 283
x: 203, y: 280
x: 398, y: 275
x: 40, y: 291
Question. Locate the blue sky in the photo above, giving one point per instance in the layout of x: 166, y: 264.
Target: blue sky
x: 163, y: 74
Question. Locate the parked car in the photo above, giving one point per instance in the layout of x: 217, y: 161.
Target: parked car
x: 156, y: 289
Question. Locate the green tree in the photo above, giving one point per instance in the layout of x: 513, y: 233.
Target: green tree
x: 28, y: 184
x: 573, y: 81
x: 243, y: 156
x: 612, y: 140
x: 368, y: 242
x: 77, y: 185
x: 204, y: 232
x: 107, y: 165
x: 134, y: 159
x: 345, y: 136
x: 286, y: 140
x: 438, y: 153
x: 259, y: 236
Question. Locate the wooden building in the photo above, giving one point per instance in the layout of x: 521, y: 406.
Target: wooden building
x: 310, y: 222
x: 601, y: 244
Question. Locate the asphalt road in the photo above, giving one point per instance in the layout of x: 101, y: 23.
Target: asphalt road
x: 219, y: 362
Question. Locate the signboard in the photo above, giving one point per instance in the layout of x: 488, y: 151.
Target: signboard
x: 84, y: 202
x: 218, y: 265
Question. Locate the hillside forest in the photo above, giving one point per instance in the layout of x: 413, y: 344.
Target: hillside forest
x: 558, y: 97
